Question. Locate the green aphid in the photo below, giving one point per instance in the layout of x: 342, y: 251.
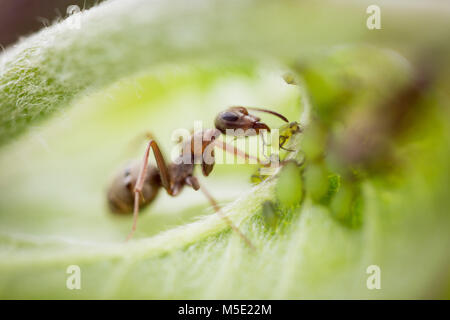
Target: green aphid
x: 286, y: 132
x: 289, y: 188
x: 269, y: 214
x: 347, y: 205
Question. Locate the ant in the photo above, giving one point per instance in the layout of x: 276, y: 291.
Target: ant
x: 137, y: 185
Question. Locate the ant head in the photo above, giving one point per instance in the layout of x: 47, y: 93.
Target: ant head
x: 238, y: 118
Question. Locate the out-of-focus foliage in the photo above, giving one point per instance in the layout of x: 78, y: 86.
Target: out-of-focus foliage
x: 328, y: 215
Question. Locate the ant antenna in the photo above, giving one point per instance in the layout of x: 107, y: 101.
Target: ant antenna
x: 225, y: 218
x: 269, y: 111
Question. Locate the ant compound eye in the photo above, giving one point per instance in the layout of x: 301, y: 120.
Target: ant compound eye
x: 230, y: 116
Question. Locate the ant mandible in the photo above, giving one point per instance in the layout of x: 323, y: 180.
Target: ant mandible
x: 137, y: 186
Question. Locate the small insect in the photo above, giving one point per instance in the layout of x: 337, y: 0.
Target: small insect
x: 286, y: 132
x: 136, y: 186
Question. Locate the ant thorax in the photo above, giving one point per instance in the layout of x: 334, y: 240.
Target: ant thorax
x: 178, y: 174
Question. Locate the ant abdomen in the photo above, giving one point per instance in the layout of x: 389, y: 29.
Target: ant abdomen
x: 121, y: 191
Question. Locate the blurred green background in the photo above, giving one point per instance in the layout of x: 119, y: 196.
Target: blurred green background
x: 75, y: 104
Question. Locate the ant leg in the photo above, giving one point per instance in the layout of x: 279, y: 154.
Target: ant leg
x: 160, y: 162
x: 135, y: 215
x: 194, y: 182
x: 164, y: 173
x: 237, y: 152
